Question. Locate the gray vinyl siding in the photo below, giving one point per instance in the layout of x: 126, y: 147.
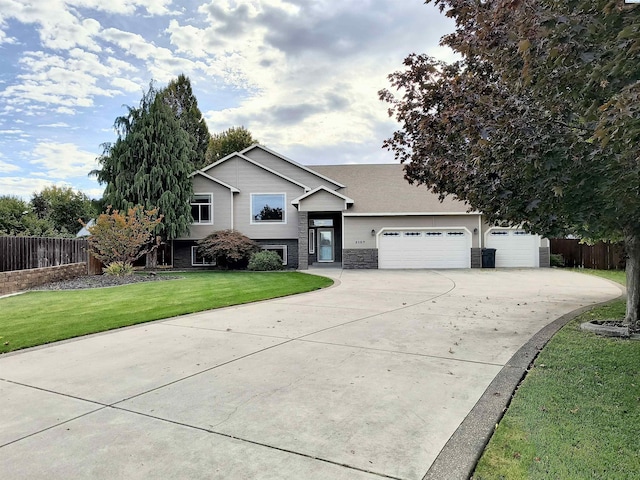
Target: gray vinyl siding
x: 221, y: 208
x: 288, y: 169
x: 357, y: 230
x: 249, y: 178
x: 322, y: 201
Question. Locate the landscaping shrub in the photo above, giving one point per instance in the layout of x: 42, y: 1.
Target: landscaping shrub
x: 230, y: 249
x: 118, y: 269
x: 265, y: 260
x: 556, y: 260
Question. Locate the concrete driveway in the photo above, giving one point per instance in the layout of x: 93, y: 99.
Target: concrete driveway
x: 365, y: 380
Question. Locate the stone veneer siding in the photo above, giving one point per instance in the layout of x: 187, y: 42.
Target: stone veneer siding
x: 353, y: 258
x: 303, y: 240
x: 545, y: 257
x: 476, y: 258
x: 18, y: 280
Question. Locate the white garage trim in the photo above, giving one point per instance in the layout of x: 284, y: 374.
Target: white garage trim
x: 514, y: 247
x: 424, y: 247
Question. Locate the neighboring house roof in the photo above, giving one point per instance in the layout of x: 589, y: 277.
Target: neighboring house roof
x: 382, y: 188
x: 83, y: 231
x: 347, y: 201
x: 201, y: 173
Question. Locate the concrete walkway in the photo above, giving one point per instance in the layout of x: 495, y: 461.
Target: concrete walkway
x: 368, y: 379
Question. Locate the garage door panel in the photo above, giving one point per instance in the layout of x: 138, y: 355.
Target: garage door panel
x: 431, y: 248
x: 514, y: 248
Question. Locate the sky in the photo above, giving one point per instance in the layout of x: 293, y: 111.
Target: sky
x: 301, y: 75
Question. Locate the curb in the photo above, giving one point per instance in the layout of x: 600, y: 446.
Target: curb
x: 459, y: 456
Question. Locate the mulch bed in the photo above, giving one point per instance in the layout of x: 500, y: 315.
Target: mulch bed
x: 101, y: 281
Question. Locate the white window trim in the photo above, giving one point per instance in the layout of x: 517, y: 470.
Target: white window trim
x: 285, y: 252
x: 312, y: 241
x: 210, y: 195
x: 284, y: 209
x: 193, y: 258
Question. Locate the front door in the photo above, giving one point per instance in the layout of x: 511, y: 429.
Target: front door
x: 325, y: 245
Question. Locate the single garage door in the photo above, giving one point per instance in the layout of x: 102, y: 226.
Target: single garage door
x: 514, y: 248
x: 425, y: 248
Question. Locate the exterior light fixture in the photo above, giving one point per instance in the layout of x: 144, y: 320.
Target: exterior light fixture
x: 373, y: 232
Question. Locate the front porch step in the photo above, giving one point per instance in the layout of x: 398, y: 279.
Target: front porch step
x: 326, y: 265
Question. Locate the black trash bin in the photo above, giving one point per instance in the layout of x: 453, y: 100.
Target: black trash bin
x: 488, y: 258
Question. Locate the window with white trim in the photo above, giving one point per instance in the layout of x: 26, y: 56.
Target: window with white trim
x: 198, y: 260
x: 202, y: 208
x: 268, y: 208
x: 281, y: 250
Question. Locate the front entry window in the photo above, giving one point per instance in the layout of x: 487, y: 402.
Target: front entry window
x: 325, y: 245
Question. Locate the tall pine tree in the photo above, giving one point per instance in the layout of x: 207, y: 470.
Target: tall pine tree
x: 179, y: 96
x: 149, y: 164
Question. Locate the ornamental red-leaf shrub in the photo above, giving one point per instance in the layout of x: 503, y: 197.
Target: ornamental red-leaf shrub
x: 229, y: 248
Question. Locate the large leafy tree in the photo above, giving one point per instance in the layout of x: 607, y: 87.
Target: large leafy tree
x: 225, y: 143
x: 149, y: 164
x: 539, y: 122
x: 17, y: 218
x: 63, y: 207
x: 179, y: 96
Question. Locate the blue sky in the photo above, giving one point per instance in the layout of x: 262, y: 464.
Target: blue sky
x: 301, y: 75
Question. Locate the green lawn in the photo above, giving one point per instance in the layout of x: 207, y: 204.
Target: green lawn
x: 36, y: 318
x: 577, y: 413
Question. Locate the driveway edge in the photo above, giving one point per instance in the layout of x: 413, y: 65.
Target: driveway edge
x: 459, y: 456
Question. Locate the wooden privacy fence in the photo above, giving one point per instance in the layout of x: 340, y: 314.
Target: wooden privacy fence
x: 602, y: 256
x: 24, y: 253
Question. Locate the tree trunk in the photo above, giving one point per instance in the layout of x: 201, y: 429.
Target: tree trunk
x: 152, y: 259
x: 632, y: 246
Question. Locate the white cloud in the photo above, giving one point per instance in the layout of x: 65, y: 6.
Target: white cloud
x: 127, y: 85
x: 25, y: 187
x: 56, y: 125
x: 6, y: 167
x: 63, y: 160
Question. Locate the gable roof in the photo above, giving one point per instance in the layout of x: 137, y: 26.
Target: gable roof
x: 347, y: 201
x: 257, y: 164
x: 230, y: 187
x: 382, y: 189
x: 292, y: 162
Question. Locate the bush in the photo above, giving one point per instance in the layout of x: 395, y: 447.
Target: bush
x: 266, y: 260
x: 118, y: 269
x: 556, y: 260
x: 230, y: 249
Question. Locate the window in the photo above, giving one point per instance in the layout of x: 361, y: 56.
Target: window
x: 198, y: 260
x: 281, y: 250
x: 312, y: 240
x: 268, y: 208
x: 202, y: 208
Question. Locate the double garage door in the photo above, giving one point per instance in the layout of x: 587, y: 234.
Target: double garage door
x: 425, y: 248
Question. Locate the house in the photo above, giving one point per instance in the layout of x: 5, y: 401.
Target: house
x: 356, y: 216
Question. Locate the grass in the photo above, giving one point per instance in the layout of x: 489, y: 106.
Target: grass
x: 36, y: 318
x: 615, y: 275
x: 576, y: 414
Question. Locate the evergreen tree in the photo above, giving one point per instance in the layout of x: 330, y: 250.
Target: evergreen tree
x: 179, y: 96
x: 149, y: 164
